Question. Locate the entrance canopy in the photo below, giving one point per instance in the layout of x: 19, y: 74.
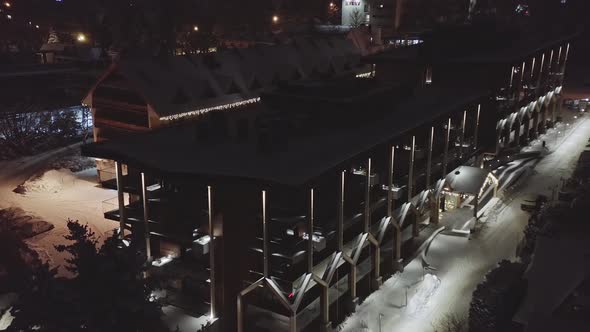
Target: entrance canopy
x: 467, y: 180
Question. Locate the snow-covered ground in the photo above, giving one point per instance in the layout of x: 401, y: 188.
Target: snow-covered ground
x: 461, y: 263
x: 54, y: 197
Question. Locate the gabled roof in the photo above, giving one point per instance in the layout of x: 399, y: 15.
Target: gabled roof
x: 229, y: 74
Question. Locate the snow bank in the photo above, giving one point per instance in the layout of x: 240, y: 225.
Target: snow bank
x: 52, y: 181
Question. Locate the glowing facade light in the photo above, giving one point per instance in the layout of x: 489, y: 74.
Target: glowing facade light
x: 195, y: 28
x: 7, y: 4
x: 37, y: 26
x: 209, y: 109
x: 275, y: 19
x: 9, y: 17
x: 81, y: 37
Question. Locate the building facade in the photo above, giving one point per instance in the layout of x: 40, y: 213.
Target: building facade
x: 291, y: 223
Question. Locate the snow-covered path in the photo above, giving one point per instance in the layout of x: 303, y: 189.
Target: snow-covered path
x: 462, y: 263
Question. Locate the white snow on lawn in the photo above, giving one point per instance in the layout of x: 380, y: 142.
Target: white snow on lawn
x: 462, y: 263
x: 56, y: 196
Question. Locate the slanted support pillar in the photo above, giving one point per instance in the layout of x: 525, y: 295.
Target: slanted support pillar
x: 446, y: 152
x: 120, y: 199
x: 148, y: 246
x: 476, y: 133
x: 429, y: 161
x: 411, y: 171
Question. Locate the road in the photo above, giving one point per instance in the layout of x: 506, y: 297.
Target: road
x: 461, y: 263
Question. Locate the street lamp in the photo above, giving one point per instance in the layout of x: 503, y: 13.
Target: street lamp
x: 275, y: 19
x: 81, y: 37
x: 195, y: 28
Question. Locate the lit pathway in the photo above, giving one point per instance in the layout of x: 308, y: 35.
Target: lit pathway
x: 462, y: 263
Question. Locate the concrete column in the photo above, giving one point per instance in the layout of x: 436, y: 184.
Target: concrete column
x: 411, y: 171
x: 498, y: 138
x: 517, y: 131
x: 567, y: 52
x: 120, y: 198
x: 213, y: 284
x: 476, y: 133
x: 340, y: 229
x: 310, y: 234
x: 240, y: 313
x: 148, y: 246
x: 559, y: 58
x: 390, y: 182
x: 325, y: 308
x: 536, y: 125
x: 429, y: 161
x: 475, y: 206
x: 462, y: 140
x: 352, y: 283
x: 446, y: 152
x: 265, y: 253
x: 554, y: 109
x: 377, y: 280
x: 368, y: 197
x: 527, y: 131
x: 293, y: 322
x: 540, y: 78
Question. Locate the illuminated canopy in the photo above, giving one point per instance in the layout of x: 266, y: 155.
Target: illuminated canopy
x: 467, y: 180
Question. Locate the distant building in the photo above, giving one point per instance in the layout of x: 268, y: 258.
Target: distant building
x: 355, y: 12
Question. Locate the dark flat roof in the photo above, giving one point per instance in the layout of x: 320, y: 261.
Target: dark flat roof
x: 176, y: 151
x: 514, y: 50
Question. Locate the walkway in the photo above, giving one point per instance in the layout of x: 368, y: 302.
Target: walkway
x: 461, y: 263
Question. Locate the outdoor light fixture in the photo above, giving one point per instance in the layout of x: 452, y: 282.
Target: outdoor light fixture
x: 275, y: 19
x: 37, y: 26
x: 81, y: 37
x: 9, y: 17
x: 7, y: 4
x: 195, y: 28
